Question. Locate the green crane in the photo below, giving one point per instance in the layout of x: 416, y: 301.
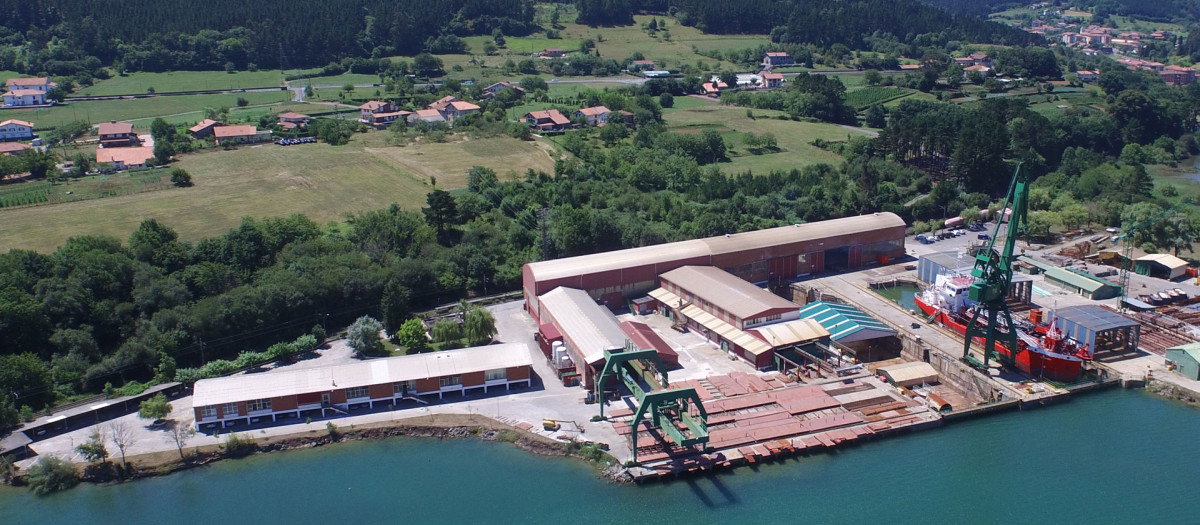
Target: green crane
x: 993, y: 273
x: 658, y: 403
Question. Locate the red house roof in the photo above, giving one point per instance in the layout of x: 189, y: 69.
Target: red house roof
x: 553, y: 115
x: 17, y: 122
x: 225, y: 132
x: 115, y: 128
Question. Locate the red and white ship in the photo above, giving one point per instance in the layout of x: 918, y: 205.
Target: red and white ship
x: 1042, y: 349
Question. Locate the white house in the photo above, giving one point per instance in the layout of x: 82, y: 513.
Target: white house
x: 27, y: 92
x: 16, y: 130
x: 596, y: 115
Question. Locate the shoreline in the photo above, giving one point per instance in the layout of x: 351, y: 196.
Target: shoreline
x: 440, y: 426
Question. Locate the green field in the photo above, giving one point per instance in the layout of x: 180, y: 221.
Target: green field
x: 137, y: 83
x: 794, y: 138
x: 186, y: 108
x: 863, y: 97
x: 338, y: 81
x: 318, y: 180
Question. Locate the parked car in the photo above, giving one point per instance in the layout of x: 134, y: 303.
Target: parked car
x: 975, y: 227
x: 983, y: 236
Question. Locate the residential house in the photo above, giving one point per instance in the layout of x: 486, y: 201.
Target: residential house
x: 547, y: 120
x: 383, y: 120
x: 204, y: 128
x: 777, y: 58
x: 910, y: 67
x: 623, y: 116
x: 42, y: 84
x: 125, y: 158
x: 595, y: 115
x: 1178, y: 75
x: 490, y: 91
x: 977, y: 58
x: 227, y: 135
x: 458, y: 109
x: 553, y: 52
x: 642, y: 65
x: 426, y: 115
x: 13, y: 129
x: 713, y: 89
x: 1087, y: 75
x: 117, y: 135
x: 13, y: 148
x: 982, y: 69
x: 28, y: 92
x: 367, y: 111
x: 442, y: 103
x: 772, y: 80
x: 292, y: 120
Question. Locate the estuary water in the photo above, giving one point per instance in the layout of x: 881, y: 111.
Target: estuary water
x: 1110, y: 457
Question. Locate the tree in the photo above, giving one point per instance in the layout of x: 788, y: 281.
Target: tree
x: 163, y: 151
x: 666, y: 100
x: 876, y: 116
x: 363, y: 337
x: 613, y: 132
x: 427, y: 65
x: 122, y: 436
x: 442, y: 210
x: 155, y: 408
x: 446, y: 330
x: 479, y: 326
x: 411, y: 335
x: 51, y: 474
x: 532, y: 83
x: 162, y: 131
x: 179, y: 434
x: 181, y: 178
x: 872, y: 77
x: 93, y: 449
x: 1040, y: 223
x: 394, y: 305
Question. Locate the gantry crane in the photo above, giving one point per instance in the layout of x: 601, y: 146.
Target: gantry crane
x: 993, y: 275
x: 659, y: 403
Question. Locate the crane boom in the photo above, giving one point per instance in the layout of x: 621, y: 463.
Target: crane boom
x: 993, y: 274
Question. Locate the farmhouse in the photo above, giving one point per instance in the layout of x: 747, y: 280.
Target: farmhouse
x: 240, y: 134
x: 772, y: 80
x: 247, y: 399
x: 204, y: 128
x: 13, y: 129
x: 713, y: 89
x: 642, y: 65
x: 291, y: 120
x: 553, y: 52
x: 426, y: 115
x: 125, y: 158
x: 458, y: 109
x: 383, y: 120
x: 1178, y: 75
x: 117, y: 135
x: 777, y: 58
x: 771, y: 255
x: 547, y: 120
x: 490, y: 91
x: 1087, y: 75
x: 13, y: 148
x: 27, y: 91
x: 442, y: 103
x: 595, y: 116
x: 367, y: 111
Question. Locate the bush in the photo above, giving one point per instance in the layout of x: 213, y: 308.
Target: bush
x: 51, y: 474
x: 305, y: 343
x: 181, y: 178
x: 156, y: 407
x: 363, y: 336
x: 238, y: 446
x: 318, y: 332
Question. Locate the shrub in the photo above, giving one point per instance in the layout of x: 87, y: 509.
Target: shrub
x: 51, y: 474
x: 318, y: 332
x: 238, y: 446
x: 181, y: 178
x: 305, y: 343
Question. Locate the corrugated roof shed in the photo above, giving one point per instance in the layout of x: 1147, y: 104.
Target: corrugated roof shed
x: 760, y: 239
x: 909, y: 374
x: 1095, y: 318
x: 846, y: 324
x: 791, y: 332
x: 232, y: 389
x: 727, y: 291
x: 589, y: 326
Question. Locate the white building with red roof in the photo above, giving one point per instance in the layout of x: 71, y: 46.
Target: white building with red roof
x: 13, y: 129
x: 595, y: 115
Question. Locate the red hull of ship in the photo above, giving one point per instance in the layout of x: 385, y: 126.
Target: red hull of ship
x: 1037, y: 363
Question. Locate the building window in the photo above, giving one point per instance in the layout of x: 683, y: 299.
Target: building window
x: 400, y: 387
x: 258, y: 405
x: 208, y: 412
x: 496, y: 375
x: 450, y: 381
x: 229, y: 410
x: 356, y: 392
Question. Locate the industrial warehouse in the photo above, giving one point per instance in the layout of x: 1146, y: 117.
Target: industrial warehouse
x: 251, y: 398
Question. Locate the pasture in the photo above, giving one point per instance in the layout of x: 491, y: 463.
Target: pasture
x: 138, y: 83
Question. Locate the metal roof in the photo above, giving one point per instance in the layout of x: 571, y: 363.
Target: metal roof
x: 910, y: 373
x: 208, y: 392
x: 759, y: 239
x: 791, y: 332
x: 1191, y: 349
x: 1165, y: 259
x: 1082, y: 282
x: 726, y: 291
x: 845, y: 323
x: 591, y: 328
x: 753, y: 345
x: 1095, y: 318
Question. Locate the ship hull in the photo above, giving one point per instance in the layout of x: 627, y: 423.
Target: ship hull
x: 1035, y: 362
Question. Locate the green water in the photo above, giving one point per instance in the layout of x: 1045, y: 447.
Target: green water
x: 902, y: 295
x: 1112, y: 457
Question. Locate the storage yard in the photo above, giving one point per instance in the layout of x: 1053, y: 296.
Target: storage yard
x: 728, y: 351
